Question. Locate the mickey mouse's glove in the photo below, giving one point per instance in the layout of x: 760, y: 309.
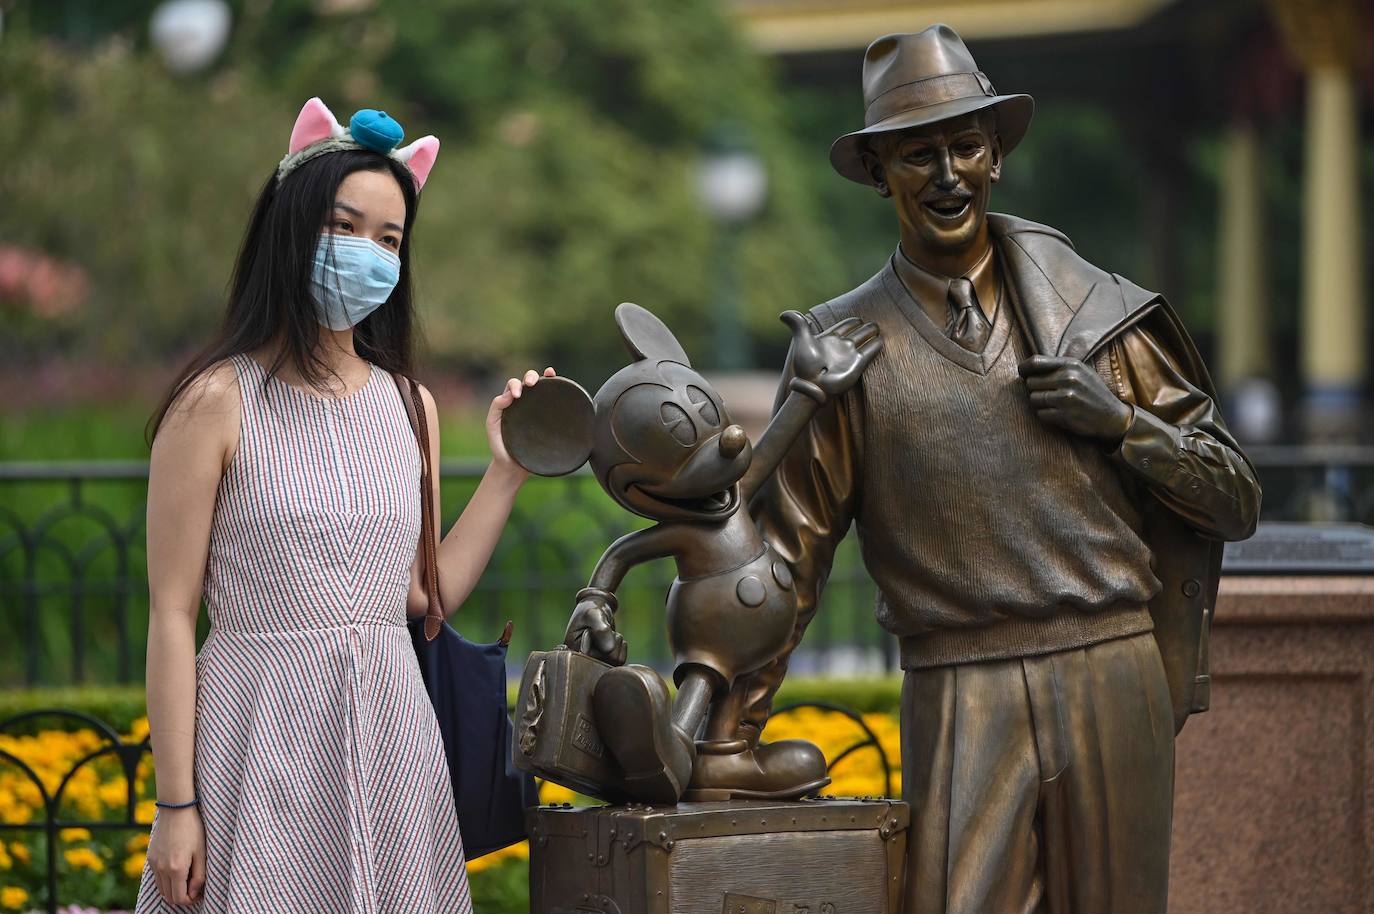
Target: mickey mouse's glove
x: 591, y: 630
x: 832, y: 361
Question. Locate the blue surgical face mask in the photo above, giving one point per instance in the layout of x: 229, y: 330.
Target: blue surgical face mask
x: 351, y: 279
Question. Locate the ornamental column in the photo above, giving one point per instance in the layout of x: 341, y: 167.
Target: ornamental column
x: 1323, y: 35
x: 1243, y: 312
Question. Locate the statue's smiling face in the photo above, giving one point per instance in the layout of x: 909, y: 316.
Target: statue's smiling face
x: 940, y: 177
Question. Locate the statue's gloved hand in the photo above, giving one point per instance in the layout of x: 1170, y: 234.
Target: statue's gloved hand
x: 591, y: 629
x: 832, y: 361
x: 1071, y: 394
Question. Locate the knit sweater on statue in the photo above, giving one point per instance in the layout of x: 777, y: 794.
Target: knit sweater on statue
x: 989, y: 533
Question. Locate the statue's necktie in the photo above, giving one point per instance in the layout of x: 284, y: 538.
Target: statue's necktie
x: 966, y: 326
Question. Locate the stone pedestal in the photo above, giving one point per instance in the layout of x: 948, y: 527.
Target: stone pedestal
x: 1274, y: 805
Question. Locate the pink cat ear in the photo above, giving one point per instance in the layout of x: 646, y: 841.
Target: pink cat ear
x: 314, y: 123
x: 420, y: 156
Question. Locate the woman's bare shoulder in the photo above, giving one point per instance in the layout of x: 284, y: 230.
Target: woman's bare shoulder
x: 427, y: 398
x: 210, y: 399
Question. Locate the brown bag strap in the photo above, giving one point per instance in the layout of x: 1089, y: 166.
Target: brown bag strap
x: 415, y: 409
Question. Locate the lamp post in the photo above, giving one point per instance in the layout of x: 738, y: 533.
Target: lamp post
x: 731, y: 184
x: 190, y: 34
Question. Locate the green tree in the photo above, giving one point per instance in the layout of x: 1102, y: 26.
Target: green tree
x: 571, y: 132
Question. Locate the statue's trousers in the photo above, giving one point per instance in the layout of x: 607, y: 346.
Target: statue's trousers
x: 1040, y: 784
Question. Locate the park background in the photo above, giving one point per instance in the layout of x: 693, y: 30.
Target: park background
x: 668, y: 152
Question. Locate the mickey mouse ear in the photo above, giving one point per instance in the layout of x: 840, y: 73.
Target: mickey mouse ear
x: 548, y: 431
x: 646, y: 336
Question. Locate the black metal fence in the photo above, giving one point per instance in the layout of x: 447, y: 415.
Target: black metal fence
x: 867, y: 741
x: 56, y: 813
x: 74, y: 597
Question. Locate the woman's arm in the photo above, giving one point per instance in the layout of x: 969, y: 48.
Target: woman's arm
x: 467, y: 547
x: 194, y: 445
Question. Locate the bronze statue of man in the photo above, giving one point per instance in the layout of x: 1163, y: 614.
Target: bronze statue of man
x: 1041, y: 482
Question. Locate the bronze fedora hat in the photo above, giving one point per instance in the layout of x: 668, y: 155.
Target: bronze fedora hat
x: 911, y: 79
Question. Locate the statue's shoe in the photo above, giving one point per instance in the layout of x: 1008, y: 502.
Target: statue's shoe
x: 634, y: 715
x: 786, y: 770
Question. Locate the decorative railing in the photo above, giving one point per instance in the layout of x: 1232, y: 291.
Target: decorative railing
x: 868, y: 741
x: 74, y: 596
x: 128, y: 759
x: 1329, y: 483
x: 55, y: 809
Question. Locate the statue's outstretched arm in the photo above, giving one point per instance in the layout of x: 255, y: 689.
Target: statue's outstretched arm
x: 821, y: 365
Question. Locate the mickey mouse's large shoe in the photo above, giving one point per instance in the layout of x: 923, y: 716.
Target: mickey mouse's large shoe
x: 634, y: 714
x: 738, y: 769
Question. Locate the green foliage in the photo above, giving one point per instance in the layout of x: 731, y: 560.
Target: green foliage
x: 503, y: 889
x: 571, y: 133
x: 142, y: 180
x: 84, y: 557
x: 113, y: 432
x: 118, y: 706
x: 862, y: 695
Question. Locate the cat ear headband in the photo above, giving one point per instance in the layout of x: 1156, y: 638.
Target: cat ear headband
x: 317, y: 131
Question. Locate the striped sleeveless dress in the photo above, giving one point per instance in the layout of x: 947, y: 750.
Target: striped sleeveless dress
x: 318, y: 760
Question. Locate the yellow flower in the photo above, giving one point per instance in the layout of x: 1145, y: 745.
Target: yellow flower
x: 549, y: 792
x: 145, y: 769
x: 20, y: 852
x: 82, y: 791
x: 519, y: 851
x: 138, y: 731
x: 138, y: 842
x: 133, y: 866
x: 84, y: 857
x: 144, y: 811
x: 24, y: 793
x: 71, y: 835
x: 13, y: 897
x: 5, y: 861
x: 113, y: 793
x: 861, y: 772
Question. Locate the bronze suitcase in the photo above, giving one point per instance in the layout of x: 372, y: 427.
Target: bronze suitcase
x: 825, y: 856
x: 555, y: 730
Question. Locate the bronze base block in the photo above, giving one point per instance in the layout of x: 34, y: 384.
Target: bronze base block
x: 736, y: 857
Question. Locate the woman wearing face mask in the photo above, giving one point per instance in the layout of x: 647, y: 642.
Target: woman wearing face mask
x: 299, y: 763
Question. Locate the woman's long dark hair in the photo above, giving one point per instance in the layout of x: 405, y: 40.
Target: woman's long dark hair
x: 269, y: 295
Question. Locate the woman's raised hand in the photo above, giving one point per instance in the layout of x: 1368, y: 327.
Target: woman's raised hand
x: 514, y: 388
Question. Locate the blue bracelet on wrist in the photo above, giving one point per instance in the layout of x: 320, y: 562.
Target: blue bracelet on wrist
x: 162, y: 805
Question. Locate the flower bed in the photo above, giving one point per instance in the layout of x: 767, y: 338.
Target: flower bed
x: 96, y: 866
x: 99, y: 868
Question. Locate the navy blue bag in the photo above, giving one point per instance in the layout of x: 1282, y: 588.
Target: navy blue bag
x: 467, y: 686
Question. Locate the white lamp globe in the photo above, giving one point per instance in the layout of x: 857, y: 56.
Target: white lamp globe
x: 732, y: 185
x: 190, y: 34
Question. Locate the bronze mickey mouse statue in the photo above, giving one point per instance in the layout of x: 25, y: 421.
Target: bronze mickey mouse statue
x: 662, y: 445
